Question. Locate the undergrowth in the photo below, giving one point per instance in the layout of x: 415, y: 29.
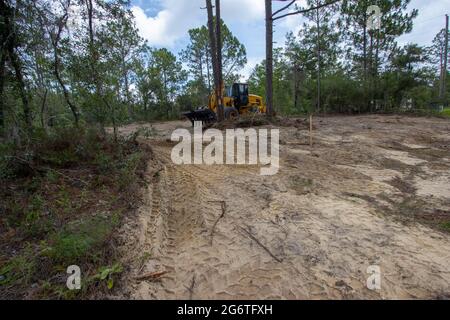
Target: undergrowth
x: 63, y: 198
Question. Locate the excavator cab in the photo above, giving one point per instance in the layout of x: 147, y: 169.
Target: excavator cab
x: 239, y: 92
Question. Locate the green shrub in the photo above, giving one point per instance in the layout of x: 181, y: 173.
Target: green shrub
x: 446, y: 112
x: 33, y: 214
x: 6, y: 170
x: 128, y: 169
x: 78, y: 240
x: 104, y: 162
x: 48, y: 204
x: 106, y: 274
x: 446, y: 226
x: 19, y: 269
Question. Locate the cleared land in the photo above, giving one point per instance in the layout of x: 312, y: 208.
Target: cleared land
x: 374, y: 190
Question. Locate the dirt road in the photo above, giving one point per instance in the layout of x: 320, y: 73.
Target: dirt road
x: 373, y: 191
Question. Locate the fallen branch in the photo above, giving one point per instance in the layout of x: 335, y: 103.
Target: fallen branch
x: 251, y: 236
x: 191, y: 287
x: 224, y: 209
x: 151, y: 275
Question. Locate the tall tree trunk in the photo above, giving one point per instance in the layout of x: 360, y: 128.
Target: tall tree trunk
x: 269, y: 58
x: 375, y: 71
x: 318, y: 57
x: 43, y: 110
x: 15, y: 61
x: 296, y: 86
x: 200, y: 68
x: 445, y: 69
x: 371, y: 70
x: 94, y: 56
x: 219, y: 94
x: 66, y: 94
x: 2, y: 84
x: 213, y: 49
x: 365, y: 60
x: 441, y: 73
x: 165, y: 94
x: 92, y: 50
x: 4, y: 11
x: 208, y: 71
x: 42, y: 90
x: 55, y: 38
x: 127, y: 88
x: 9, y: 43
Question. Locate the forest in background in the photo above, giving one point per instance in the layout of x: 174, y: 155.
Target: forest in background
x: 70, y: 61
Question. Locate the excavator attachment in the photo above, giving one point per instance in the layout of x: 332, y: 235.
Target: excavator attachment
x: 206, y: 116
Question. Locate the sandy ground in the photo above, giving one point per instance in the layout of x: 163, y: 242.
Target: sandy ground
x: 366, y: 194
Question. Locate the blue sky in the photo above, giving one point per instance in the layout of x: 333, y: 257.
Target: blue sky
x: 164, y: 23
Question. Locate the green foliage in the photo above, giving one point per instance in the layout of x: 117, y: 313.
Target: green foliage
x: 79, y: 240
x: 446, y: 226
x: 68, y: 210
x: 446, y: 113
x: 127, y: 170
x: 34, y: 224
x: 19, y: 269
x: 7, y: 168
x: 366, y: 46
x: 106, y: 274
x: 52, y: 176
x: 282, y: 84
x: 360, y: 70
x: 159, y: 82
x: 111, y: 76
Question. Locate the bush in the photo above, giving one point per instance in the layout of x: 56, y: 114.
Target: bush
x: 446, y: 225
x: 446, y: 113
x: 19, y: 269
x: 51, y: 195
x: 79, y: 240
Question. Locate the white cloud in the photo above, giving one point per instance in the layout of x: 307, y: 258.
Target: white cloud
x: 170, y: 24
x: 430, y: 21
x: 248, y: 69
x: 292, y: 22
x: 243, y: 10
x: 148, y: 25
x: 176, y: 17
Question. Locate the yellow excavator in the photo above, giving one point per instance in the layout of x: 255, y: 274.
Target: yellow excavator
x: 236, y: 101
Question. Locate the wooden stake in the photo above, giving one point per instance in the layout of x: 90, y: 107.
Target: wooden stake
x: 310, y: 130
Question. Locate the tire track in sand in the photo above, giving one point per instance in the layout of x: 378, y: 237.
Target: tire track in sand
x: 325, y: 243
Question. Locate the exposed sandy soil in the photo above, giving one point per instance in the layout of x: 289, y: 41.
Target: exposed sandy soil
x: 372, y: 191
